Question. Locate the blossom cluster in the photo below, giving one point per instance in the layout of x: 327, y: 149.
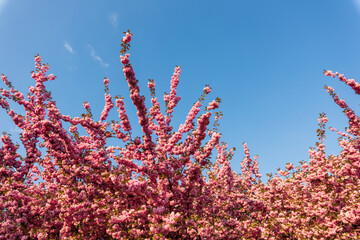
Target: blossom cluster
x: 167, y: 184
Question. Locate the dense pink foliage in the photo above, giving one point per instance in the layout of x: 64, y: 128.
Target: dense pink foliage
x: 88, y: 190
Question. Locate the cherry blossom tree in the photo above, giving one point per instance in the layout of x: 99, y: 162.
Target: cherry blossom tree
x: 82, y: 188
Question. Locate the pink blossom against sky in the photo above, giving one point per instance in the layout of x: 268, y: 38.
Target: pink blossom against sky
x: 264, y: 59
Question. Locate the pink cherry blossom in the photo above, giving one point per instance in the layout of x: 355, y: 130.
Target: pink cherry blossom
x: 127, y: 38
x: 67, y: 182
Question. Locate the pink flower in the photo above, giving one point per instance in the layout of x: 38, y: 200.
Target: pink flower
x: 213, y: 105
x: 159, y: 210
x: 283, y: 173
x: 207, y: 90
x: 73, y: 129
x: 125, y: 59
x: 51, y: 77
x: 342, y: 103
x: 86, y: 105
x: 323, y: 120
x: 38, y: 59
x: 151, y: 84
x: 289, y: 166
x: 127, y: 38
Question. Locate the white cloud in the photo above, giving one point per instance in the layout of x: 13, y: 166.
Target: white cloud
x: 16, y: 130
x: 3, y: 5
x: 96, y: 57
x: 113, y: 19
x: 69, y: 48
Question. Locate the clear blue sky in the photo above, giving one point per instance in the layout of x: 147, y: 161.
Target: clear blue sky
x: 264, y: 59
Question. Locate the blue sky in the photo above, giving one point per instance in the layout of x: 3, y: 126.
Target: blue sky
x: 264, y: 59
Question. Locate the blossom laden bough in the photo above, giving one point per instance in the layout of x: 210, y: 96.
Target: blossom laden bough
x: 81, y: 188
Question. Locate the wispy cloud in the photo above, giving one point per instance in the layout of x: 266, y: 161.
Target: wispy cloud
x: 68, y: 47
x: 3, y: 5
x: 113, y: 19
x: 96, y: 57
x: 16, y: 130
